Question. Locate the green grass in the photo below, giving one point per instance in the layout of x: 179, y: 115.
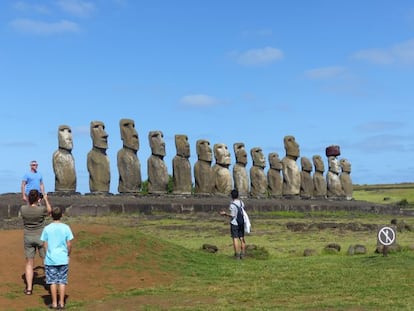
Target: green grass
x: 402, y: 194
x: 285, y: 281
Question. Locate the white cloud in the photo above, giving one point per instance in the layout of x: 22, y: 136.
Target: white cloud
x: 377, y: 126
x: 381, y: 143
x: 26, y: 7
x: 43, y: 28
x: 256, y: 57
x: 199, y: 100
x: 77, y: 7
x: 401, y: 53
x: 325, y: 72
x: 374, y: 56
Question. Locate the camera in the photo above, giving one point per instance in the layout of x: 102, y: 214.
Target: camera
x: 41, y: 195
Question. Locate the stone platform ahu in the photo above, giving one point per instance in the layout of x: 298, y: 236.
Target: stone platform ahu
x: 210, y: 174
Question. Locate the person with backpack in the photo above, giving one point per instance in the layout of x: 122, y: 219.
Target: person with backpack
x: 236, y: 224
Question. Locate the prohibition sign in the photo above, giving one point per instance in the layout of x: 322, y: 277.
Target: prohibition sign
x: 386, y: 236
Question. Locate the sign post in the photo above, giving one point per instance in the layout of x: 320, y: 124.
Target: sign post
x: 386, y: 236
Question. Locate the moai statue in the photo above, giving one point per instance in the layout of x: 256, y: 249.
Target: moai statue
x: 240, y: 178
x: 306, y: 181
x: 129, y: 167
x: 157, y: 170
x: 181, y: 166
x: 333, y: 182
x: 223, y: 182
x: 258, y: 180
x: 345, y: 178
x: 319, y: 181
x: 274, y: 175
x: 290, y: 169
x: 64, y: 162
x: 97, y: 160
x: 203, y: 172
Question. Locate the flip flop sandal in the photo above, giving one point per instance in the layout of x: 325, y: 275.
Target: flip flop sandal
x: 27, y: 291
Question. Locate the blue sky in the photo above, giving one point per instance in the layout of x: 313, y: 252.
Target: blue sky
x: 326, y: 72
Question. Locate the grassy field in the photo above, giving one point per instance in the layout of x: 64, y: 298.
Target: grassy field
x: 281, y: 278
x: 402, y: 194
x: 277, y: 276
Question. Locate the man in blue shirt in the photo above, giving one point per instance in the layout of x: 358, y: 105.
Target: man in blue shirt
x: 32, y: 180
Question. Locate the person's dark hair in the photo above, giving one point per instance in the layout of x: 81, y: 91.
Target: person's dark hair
x: 234, y: 194
x: 57, y: 213
x: 33, y: 196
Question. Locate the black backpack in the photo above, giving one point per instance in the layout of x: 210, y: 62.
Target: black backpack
x: 239, y: 216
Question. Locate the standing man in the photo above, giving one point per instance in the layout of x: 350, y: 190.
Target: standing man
x: 236, y: 227
x: 57, y: 241
x: 32, y: 180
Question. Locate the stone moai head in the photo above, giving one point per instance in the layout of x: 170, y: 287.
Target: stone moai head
x: 291, y: 147
x: 240, y: 153
x: 157, y: 143
x: 204, y: 152
x: 318, y: 163
x: 222, y: 154
x: 99, y: 135
x: 129, y: 134
x: 306, y: 164
x: 182, y: 145
x: 274, y: 161
x: 345, y: 166
x: 333, y: 165
x: 258, y: 157
x: 65, y: 137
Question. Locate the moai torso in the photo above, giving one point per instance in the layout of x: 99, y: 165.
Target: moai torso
x: 181, y: 166
x: 157, y: 169
x: 258, y: 180
x: 240, y: 177
x: 129, y: 166
x: 64, y: 162
x: 98, y: 161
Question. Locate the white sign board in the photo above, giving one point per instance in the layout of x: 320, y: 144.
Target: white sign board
x: 386, y: 236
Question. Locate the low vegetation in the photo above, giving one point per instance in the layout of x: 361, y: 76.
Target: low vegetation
x: 399, y: 194
x: 276, y: 274
x: 282, y: 279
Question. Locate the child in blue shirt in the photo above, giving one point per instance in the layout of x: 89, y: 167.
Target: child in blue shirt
x: 57, y: 240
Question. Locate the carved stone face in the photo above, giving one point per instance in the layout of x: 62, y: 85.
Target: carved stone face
x: 333, y: 165
x: 65, y: 137
x: 99, y: 135
x: 240, y: 153
x: 258, y: 157
x: 274, y: 161
x: 345, y: 165
x: 182, y: 146
x: 291, y: 147
x: 157, y: 144
x: 306, y: 164
x: 129, y: 134
x: 222, y: 154
x: 204, y: 151
x: 318, y: 163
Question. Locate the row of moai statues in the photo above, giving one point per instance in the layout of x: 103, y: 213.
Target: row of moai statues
x: 283, y: 178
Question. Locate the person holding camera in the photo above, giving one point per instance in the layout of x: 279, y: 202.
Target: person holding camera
x: 32, y: 180
x: 34, y: 215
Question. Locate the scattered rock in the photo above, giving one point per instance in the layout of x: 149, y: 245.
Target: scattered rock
x: 357, y: 249
x: 309, y: 252
x: 209, y: 248
x: 335, y: 246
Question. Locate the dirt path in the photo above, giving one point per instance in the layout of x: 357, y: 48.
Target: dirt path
x: 88, y: 279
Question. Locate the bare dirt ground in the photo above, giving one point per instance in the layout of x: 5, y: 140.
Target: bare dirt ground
x: 88, y: 279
